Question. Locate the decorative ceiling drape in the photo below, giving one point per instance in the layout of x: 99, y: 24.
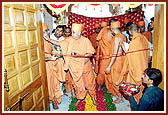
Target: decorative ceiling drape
x: 89, y: 22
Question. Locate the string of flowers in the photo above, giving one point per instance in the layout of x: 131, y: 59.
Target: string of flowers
x: 104, y: 100
x: 81, y: 106
x: 100, y: 100
x: 72, y: 107
x: 108, y: 99
x: 89, y: 106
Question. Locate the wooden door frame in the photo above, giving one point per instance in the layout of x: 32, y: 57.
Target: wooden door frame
x: 158, y: 58
x: 42, y: 58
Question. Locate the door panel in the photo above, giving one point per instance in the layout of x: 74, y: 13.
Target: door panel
x: 158, y: 41
x: 23, y: 58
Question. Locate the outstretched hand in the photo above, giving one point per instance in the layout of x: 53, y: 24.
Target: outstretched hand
x: 108, y: 70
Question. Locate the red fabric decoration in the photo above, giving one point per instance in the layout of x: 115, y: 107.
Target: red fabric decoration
x: 90, y: 22
x: 57, y: 6
x: 150, y: 4
x: 95, y: 4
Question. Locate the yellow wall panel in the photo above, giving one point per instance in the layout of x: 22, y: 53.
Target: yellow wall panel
x: 18, y: 6
x: 158, y: 43
x: 13, y: 85
x: 32, y: 37
x: 10, y: 64
x: 23, y: 58
x: 34, y: 55
x: 20, y: 38
x: 30, y: 19
x: 19, y: 17
x: 40, y: 106
x: 25, y: 78
x: 28, y: 103
x: 8, y: 42
x: 6, y: 15
x: 29, y: 6
x: 38, y: 95
x: 35, y: 71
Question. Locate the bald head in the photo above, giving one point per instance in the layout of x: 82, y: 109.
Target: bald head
x: 134, y: 27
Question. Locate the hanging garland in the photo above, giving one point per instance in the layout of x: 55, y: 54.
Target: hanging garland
x: 95, y: 5
x: 132, y: 5
x: 57, y: 7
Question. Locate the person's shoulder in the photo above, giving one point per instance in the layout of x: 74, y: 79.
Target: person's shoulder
x: 138, y: 36
x: 159, y: 89
x: 155, y: 89
x: 66, y: 40
x: 84, y: 38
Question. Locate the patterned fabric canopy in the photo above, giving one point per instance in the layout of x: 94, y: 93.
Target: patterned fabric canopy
x: 89, y: 22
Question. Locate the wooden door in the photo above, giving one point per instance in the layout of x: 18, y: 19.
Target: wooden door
x: 23, y: 58
x: 158, y: 41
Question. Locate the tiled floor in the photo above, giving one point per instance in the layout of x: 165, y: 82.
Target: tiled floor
x: 66, y: 100
x: 123, y: 106
x: 64, y: 106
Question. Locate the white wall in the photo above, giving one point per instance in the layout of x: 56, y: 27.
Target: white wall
x: 85, y: 10
x: 149, y: 12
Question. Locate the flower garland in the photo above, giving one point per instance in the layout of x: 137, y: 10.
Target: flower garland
x: 104, y: 100
x: 89, y: 106
x: 100, y: 100
x: 72, y: 107
x: 108, y: 99
x: 81, y: 106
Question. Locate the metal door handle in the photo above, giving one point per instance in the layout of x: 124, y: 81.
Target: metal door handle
x: 6, y: 85
x: 20, y: 100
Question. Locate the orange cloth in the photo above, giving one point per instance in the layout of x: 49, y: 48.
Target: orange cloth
x: 93, y: 40
x: 44, y: 26
x: 55, y: 74
x: 68, y: 84
x: 79, y: 71
x: 141, y: 23
x: 127, y: 20
x: 116, y: 68
x: 136, y: 62
x: 103, y: 24
x: 78, y: 27
x: 67, y: 37
x: 115, y: 24
x: 148, y: 35
x: 104, y: 50
x: 97, y: 25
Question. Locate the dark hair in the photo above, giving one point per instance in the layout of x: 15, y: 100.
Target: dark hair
x: 118, y: 28
x: 60, y: 26
x: 67, y: 28
x: 53, y: 31
x: 112, y: 20
x: 152, y: 19
x: 129, y: 24
x: 155, y: 75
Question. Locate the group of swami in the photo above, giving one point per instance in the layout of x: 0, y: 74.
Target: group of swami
x: 115, y: 52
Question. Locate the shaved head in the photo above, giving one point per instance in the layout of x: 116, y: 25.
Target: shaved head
x: 134, y: 27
